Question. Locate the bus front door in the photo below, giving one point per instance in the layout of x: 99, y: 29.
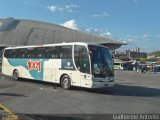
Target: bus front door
x: 85, y: 70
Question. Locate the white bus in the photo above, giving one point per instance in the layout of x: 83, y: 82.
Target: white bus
x: 118, y: 65
x: 70, y: 64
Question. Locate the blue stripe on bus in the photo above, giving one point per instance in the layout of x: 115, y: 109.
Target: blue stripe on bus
x: 35, y: 73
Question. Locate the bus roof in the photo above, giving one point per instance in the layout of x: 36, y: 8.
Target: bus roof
x: 57, y: 44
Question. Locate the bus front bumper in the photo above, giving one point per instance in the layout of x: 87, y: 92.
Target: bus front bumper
x: 103, y: 83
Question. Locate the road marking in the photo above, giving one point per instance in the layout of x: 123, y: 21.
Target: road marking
x: 10, y: 115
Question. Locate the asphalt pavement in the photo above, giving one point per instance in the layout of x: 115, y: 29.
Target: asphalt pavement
x: 134, y: 93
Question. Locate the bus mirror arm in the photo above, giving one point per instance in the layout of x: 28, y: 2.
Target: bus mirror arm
x: 78, y: 68
x: 88, y: 52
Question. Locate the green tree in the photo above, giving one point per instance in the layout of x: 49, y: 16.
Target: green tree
x: 158, y: 62
x: 143, y: 60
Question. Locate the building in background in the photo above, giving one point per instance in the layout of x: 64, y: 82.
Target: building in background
x: 130, y: 55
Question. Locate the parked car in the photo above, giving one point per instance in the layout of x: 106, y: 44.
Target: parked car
x: 157, y: 68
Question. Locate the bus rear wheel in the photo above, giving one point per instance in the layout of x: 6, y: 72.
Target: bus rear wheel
x: 15, y: 75
x: 66, y: 82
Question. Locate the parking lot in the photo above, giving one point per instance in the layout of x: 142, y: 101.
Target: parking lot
x: 133, y: 93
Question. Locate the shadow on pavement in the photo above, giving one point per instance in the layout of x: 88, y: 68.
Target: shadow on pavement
x: 64, y: 117
x: 12, y: 94
x: 124, y: 90
x: 118, y: 89
x: 55, y: 85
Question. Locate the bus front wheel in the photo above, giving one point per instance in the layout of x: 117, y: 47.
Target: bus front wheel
x: 66, y: 82
x: 15, y: 74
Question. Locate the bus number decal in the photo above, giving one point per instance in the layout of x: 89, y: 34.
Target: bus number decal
x: 34, y: 65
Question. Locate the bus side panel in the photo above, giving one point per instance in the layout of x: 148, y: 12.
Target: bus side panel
x: 50, y: 68
x: 66, y: 67
x: 76, y: 80
x: 8, y: 66
x: 74, y: 76
x: 27, y: 68
x: 86, y: 80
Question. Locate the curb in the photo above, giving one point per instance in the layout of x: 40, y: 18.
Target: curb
x: 6, y: 114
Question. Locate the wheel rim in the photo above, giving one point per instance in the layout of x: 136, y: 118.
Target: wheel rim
x: 65, y: 82
x: 15, y: 75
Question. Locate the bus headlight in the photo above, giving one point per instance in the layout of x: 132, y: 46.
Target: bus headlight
x: 110, y: 79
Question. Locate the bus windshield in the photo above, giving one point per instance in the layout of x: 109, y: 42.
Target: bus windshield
x: 101, y: 61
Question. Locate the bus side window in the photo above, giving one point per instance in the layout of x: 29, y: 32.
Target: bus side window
x: 81, y: 58
x: 66, y: 52
x: 85, y: 63
x: 13, y: 53
x: 47, y: 53
x: 7, y: 53
x: 20, y: 53
x: 58, y: 52
x: 51, y: 52
x: 31, y: 53
x: 25, y: 53
x: 41, y: 52
x: 77, y: 56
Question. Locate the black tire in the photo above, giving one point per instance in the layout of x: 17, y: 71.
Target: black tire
x: 15, y: 75
x: 66, y: 82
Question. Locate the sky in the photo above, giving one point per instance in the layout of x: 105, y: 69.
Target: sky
x: 135, y: 22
